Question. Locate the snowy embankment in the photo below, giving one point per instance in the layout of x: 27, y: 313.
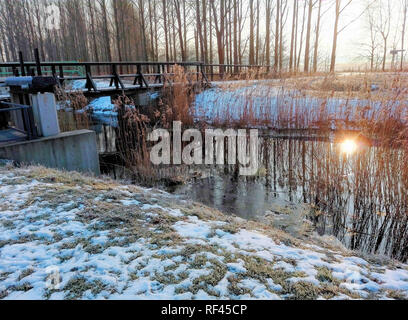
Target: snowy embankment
x: 105, y: 240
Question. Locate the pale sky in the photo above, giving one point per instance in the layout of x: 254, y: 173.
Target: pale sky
x: 349, y: 48
x: 350, y: 40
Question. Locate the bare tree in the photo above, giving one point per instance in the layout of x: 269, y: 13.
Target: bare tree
x: 268, y: 13
x: 178, y: 9
x: 317, y: 34
x: 383, y: 26
x: 276, y: 63
x: 251, y: 33
x: 219, y: 22
x: 293, y: 35
x: 404, y: 4
x: 308, y: 32
x: 301, y: 37
x: 370, y: 47
x: 339, y: 10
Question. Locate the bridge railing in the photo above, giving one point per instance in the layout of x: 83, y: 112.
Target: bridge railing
x: 143, y: 74
x: 12, y: 69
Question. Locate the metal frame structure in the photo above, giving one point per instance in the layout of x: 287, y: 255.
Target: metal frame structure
x: 27, y: 117
x: 144, y: 74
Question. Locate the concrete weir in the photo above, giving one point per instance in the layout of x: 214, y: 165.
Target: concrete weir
x: 72, y: 151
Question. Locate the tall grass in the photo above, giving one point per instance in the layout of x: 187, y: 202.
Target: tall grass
x: 135, y: 123
x: 178, y: 95
x: 360, y: 198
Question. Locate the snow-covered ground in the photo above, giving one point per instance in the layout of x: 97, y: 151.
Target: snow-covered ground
x: 66, y: 236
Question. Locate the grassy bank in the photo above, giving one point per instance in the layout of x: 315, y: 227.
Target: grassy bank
x: 106, y: 240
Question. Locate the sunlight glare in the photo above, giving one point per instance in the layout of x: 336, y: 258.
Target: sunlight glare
x: 348, y: 146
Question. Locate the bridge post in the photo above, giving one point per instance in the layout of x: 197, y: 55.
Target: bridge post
x: 203, y: 74
x: 61, y: 74
x: 140, y: 78
x: 158, y: 70
x: 20, y: 55
x: 139, y: 75
x: 114, y: 73
x: 90, y: 84
x: 54, y: 71
x: 37, y: 61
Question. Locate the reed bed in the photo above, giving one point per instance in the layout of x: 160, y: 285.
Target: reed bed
x: 135, y: 123
x: 361, y: 198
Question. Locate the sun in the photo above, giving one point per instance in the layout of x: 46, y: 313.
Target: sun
x: 348, y: 146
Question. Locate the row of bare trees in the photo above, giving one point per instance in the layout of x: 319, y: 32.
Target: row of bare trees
x: 386, y: 23
x: 282, y: 34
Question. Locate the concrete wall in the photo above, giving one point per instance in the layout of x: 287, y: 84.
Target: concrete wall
x: 72, y: 151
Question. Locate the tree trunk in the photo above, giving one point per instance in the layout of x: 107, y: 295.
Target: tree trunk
x: 95, y: 46
x: 292, y: 38
x: 385, y: 53
x: 276, y: 64
x: 251, y: 33
x: 316, y: 46
x: 235, y: 31
x: 106, y: 31
x: 180, y: 28
x: 165, y: 27
x: 219, y: 29
x: 257, y: 34
x: 268, y: 33
x: 335, y: 34
x: 307, y: 48
x: 405, y: 4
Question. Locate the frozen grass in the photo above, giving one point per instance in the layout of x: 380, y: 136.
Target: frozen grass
x: 113, y: 241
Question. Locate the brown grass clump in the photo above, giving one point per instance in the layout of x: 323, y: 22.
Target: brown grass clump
x: 135, y: 123
x: 178, y: 95
x: 132, y: 138
x: 76, y: 119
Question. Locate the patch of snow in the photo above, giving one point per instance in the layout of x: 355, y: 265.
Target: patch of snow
x: 193, y: 230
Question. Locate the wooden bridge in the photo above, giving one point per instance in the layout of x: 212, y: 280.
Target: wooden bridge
x: 110, y: 78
